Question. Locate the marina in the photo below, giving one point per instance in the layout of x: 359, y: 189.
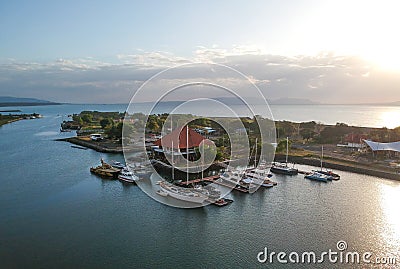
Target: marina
x: 87, y: 216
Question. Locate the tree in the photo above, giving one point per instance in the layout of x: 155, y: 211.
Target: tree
x: 115, y: 131
x: 106, y: 122
x: 282, y: 146
x: 152, y: 125
x: 307, y: 134
x: 87, y: 118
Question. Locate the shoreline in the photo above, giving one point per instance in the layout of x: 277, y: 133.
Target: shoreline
x: 341, y: 165
x: 91, y: 145
x: 330, y: 163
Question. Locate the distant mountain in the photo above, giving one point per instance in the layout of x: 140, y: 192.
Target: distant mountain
x: 255, y: 101
x: 394, y: 103
x: 17, y: 101
x: 292, y: 101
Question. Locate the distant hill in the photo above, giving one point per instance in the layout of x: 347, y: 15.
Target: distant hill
x: 280, y: 101
x: 292, y: 101
x: 17, y: 101
x: 253, y: 101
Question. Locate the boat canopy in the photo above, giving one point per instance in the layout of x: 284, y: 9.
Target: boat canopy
x: 378, y: 146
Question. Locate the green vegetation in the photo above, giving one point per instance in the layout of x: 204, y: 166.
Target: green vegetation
x: 4, y: 119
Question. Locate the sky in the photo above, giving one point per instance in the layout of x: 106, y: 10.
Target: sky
x: 103, y: 51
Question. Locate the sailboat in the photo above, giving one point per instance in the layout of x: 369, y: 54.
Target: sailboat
x: 258, y: 174
x: 319, y: 175
x: 328, y: 173
x: 284, y: 169
x: 179, y: 193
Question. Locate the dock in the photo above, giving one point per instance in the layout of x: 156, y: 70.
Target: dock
x: 199, y: 180
x: 212, y: 179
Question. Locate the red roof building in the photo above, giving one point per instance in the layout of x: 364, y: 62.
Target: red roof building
x: 181, y: 138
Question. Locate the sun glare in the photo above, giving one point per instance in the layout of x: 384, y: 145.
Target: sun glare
x: 390, y: 119
x: 390, y: 200
x: 367, y: 29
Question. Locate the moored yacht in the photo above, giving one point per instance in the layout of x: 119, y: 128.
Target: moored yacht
x: 231, y: 177
x: 317, y: 177
x: 118, y: 165
x: 260, y: 176
x: 182, y: 193
x: 329, y: 174
x: 284, y: 169
x: 127, y: 176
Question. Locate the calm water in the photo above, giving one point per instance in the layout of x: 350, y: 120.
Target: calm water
x: 55, y: 214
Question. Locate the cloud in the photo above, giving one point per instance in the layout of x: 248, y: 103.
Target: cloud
x: 326, y: 78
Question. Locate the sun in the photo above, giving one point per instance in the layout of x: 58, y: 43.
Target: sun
x: 386, y: 56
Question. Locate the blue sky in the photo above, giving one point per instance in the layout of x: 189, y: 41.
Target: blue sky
x: 46, y: 30
x: 50, y: 49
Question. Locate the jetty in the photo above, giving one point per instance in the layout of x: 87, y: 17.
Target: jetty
x: 199, y: 180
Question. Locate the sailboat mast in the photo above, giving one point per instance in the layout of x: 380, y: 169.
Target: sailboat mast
x: 287, y: 149
x: 172, y: 150
x: 173, y: 168
x: 322, y: 155
x: 187, y: 154
x: 255, y: 155
x: 202, y: 162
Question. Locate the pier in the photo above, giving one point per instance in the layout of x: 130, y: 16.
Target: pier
x: 199, y: 180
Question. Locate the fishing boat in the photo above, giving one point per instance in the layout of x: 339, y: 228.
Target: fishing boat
x: 284, y: 169
x: 328, y: 173
x: 127, y: 176
x: 182, y: 194
x: 317, y: 177
x: 105, y: 170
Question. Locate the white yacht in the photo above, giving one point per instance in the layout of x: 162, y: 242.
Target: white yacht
x: 260, y: 176
x: 231, y: 177
x: 127, y: 176
x: 182, y: 193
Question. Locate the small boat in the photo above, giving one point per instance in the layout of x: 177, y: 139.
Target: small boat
x: 317, y: 177
x: 330, y: 174
x: 222, y: 202
x: 127, y: 176
x: 118, y: 165
x: 162, y: 193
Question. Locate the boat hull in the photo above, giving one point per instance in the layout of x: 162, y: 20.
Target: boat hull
x: 316, y: 178
x: 127, y: 179
x: 284, y: 171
